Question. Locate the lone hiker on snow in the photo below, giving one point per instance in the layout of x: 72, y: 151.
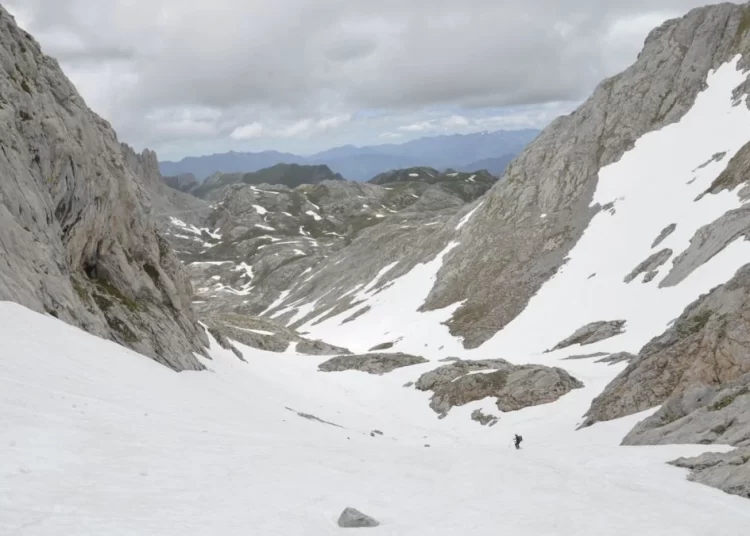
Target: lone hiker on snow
x: 517, y: 441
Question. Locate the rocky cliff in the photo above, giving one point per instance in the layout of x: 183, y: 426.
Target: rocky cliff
x: 76, y: 230
x: 521, y: 233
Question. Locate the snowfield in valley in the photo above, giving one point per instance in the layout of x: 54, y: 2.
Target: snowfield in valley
x: 95, y: 439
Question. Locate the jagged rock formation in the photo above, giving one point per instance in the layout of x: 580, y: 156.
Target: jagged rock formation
x: 76, y: 234
x: 707, y: 345
x: 592, y: 333
x: 514, y: 386
x: 371, y: 363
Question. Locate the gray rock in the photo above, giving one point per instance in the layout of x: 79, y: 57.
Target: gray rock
x: 619, y: 357
x: 482, y: 418
x: 352, y: 518
x: 668, y: 230
x: 585, y: 356
x: 371, y: 363
x: 699, y: 414
x: 265, y: 334
x: 729, y: 472
x: 224, y: 343
x: 650, y: 266
x: 707, y: 242
x: 514, y: 386
x: 78, y: 236
x: 592, y: 333
x: 708, y: 345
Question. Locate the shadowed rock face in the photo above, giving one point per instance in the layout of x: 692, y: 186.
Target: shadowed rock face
x: 514, y: 386
x: 371, y: 363
x: 77, y: 233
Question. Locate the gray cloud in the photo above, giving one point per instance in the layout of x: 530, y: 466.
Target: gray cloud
x: 166, y: 70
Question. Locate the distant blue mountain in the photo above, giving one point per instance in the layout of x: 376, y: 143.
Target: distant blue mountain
x: 463, y: 152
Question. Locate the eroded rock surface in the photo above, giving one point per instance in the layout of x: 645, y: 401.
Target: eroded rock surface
x: 514, y: 386
x: 709, y: 345
x: 371, y: 363
x: 77, y: 234
x: 729, y: 472
x: 592, y: 333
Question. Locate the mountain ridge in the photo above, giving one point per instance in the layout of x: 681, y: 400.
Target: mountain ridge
x: 364, y: 162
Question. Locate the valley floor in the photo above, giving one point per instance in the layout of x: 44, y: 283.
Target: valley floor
x: 97, y: 440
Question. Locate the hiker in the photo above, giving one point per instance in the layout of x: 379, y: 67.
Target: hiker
x: 517, y: 441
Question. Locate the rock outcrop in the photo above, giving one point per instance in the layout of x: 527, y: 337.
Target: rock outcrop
x: 353, y: 518
x: 514, y: 386
x: 708, y: 345
x: 371, y: 363
x: 266, y: 334
x: 593, y: 333
x: 729, y: 472
x: 76, y: 234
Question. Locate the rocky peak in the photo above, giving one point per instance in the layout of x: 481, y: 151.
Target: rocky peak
x: 77, y: 238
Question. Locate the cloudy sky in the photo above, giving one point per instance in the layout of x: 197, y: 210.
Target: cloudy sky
x: 190, y: 77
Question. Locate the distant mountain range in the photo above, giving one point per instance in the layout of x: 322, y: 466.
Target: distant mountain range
x: 463, y: 152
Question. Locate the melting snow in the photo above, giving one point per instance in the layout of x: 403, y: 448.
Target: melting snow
x: 314, y: 214
x: 264, y: 227
x: 260, y: 210
x: 414, y: 174
x: 466, y: 218
x: 649, y: 184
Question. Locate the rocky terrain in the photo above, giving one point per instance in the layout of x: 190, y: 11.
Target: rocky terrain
x: 371, y: 363
x: 77, y: 232
x: 528, y: 222
x: 513, y: 386
x: 93, y: 235
x: 290, y: 175
x: 246, y: 246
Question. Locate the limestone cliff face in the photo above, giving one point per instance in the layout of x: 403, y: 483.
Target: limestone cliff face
x: 76, y: 235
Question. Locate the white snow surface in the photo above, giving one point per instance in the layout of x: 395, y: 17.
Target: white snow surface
x: 264, y: 227
x: 260, y: 210
x: 96, y: 439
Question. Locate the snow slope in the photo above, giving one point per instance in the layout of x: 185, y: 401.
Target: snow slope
x: 95, y: 440
x: 653, y: 185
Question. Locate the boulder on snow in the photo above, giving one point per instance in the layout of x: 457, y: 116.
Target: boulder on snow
x: 352, y: 518
x: 370, y: 363
x: 514, y: 386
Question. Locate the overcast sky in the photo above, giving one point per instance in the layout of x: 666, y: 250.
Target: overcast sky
x: 201, y: 76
